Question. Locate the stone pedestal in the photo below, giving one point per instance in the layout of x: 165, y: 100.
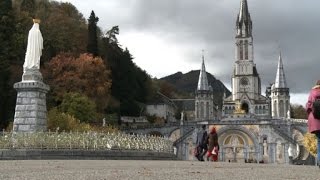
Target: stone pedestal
x: 31, y: 110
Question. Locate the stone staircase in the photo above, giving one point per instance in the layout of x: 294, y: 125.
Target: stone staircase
x: 179, y: 140
x: 283, y: 134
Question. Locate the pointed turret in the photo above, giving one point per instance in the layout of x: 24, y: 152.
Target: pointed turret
x: 244, y: 23
x: 280, y: 78
x: 203, y: 80
x: 204, y: 106
x: 280, y: 96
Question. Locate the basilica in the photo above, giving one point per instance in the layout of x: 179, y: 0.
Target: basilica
x: 252, y: 127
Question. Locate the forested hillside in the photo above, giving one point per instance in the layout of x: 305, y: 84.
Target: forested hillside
x: 91, y: 76
x: 77, y: 61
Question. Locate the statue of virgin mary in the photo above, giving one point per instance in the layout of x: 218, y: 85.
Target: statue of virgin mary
x: 34, y: 47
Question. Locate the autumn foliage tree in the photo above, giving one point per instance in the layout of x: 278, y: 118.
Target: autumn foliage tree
x: 310, y: 143
x: 298, y: 112
x: 85, y: 74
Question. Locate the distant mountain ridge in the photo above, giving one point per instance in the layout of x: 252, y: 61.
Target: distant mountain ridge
x: 187, y: 83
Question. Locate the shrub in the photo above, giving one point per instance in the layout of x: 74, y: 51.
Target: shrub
x: 79, y: 106
x: 310, y: 143
x: 60, y: 120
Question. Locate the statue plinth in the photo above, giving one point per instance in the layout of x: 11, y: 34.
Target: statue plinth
x: 32, y: 74
x: 31, y: 110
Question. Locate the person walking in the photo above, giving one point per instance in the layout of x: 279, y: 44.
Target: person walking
x: 213, y: 146
x: 201, y: 143
x: 313, y: 120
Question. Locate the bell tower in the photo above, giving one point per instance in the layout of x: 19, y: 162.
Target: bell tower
x: 245, y: 78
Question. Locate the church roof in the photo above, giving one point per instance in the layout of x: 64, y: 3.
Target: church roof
x: 280, y: 81
x: 203, y: 80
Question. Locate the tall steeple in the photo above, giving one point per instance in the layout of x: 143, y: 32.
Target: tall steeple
x: 203, y: 80
x: 244, y: 23
x: 280, y: 81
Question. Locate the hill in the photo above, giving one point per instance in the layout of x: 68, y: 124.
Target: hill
x: 187, y: 83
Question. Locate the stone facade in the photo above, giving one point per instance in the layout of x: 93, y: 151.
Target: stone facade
x: 31, y: 110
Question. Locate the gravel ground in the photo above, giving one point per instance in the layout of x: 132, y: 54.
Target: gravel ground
x: 162, y: 170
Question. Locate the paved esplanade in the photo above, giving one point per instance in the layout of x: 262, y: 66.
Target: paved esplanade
x: 130, y: 169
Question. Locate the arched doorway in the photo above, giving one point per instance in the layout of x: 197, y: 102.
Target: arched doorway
x: 245, y: 107
x: 237, y: 144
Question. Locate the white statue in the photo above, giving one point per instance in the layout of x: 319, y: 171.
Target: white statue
x: 182, y: 117
x: 289, y: 114
x: 103, y: 122
x: 290, y: 151
x: 34, y: 47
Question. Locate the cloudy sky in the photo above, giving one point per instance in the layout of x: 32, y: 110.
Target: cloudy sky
x: 167, y: 36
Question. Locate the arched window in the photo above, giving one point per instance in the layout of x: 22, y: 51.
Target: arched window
x: 207, y: 110
x: 260, y: 110
x: 241, y: 49
x: 275, y: 109
x: 201, y: 110
x: 246, y: 49
x: 281, y: 109
x: 197, y: 110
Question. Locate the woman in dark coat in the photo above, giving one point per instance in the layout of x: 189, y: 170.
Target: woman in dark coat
x: 213, y: 145
x: 313, y: 123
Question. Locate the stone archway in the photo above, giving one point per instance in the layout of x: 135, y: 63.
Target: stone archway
x: 237, y: 144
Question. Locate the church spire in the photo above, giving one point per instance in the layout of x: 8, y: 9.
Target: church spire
x: 280, y: 78
x: 244, y: 23
x: 203, y: 80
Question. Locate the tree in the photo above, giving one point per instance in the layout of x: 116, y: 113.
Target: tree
x: 298, y: 112
x: 64, y: 30
x: 85, y: 74
x: 310, y: 143
x: 92, y: 46
x: 28, y: 6
x: 79, y: 106
x: 111, y: 35
x: 7, y: 28
x: 131, y: 86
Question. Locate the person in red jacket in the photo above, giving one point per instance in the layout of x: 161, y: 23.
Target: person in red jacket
x: 314, y: 123
x: 213, y: 146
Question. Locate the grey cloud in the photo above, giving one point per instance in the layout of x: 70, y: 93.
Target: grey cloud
x: 292, y: 24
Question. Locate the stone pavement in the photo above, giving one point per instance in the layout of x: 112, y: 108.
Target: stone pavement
x: 145, y: 170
